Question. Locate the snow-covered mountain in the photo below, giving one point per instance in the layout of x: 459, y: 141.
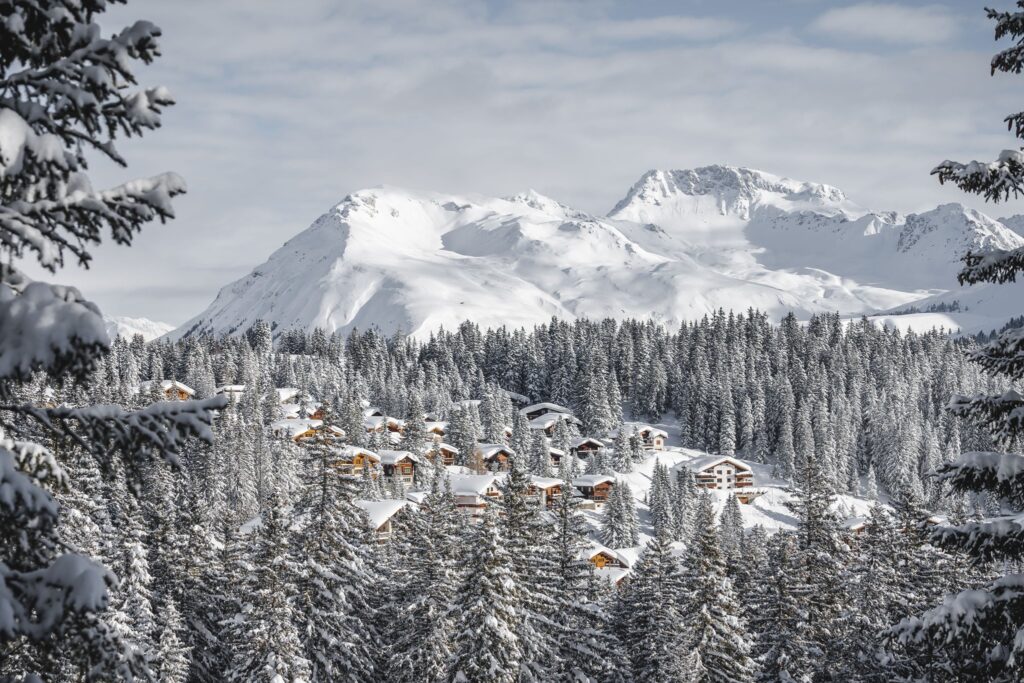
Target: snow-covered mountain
x: 679, y: 245
x: 129, y: 327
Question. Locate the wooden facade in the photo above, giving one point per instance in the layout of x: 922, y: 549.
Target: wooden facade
x: 722, y: 473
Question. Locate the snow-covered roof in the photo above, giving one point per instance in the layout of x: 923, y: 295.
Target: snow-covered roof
x: 231, y: 389
x: 545, y: 482
x: 548, y: 419
x: 550, y: 407
x: 351, y: 452
x: 447, y: 447
x: 576, y: 443
x: 490, y: 450
x: 376, y: 421
x: 436, y: 425
x: 612, y: 574
x: 471, y: 484
x: 395, y: 457
x: 593, y: 548
x: 286, y: 394
x: 705, y: 461
x: 372, y: 411
x: 380, y: 511
x: 555, y: 451
x: 640, y: 427
x: 592, y: 480
x: 855, y: 523
x: 294, y: 426
x: 165, y: 385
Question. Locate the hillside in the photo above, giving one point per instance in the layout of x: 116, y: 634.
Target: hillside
x: 681, y: 244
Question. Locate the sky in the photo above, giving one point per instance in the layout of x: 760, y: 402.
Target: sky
x: 284, y: 108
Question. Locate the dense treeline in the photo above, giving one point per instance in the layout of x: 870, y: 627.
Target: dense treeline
x: 253, y: 560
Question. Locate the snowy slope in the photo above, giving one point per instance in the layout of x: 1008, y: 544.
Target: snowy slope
x: 679, y: 245
x: 129, y: 327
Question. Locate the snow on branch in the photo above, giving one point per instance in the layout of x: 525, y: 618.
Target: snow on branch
x: 1002, y: 414
x: 1003, y: 355
x: 50, y: 328
x: 987, y: 540
x: 997, y: 265
x: 970, y: 616
x: 157, y: 431
x: 1000, y: 473
x: 995, y: 180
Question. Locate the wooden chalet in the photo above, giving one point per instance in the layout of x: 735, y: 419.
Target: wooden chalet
x: 585, y: 447
x: 445, y: 452
x: 382, y: 423
x: 473, y: 492
x: 304, y: 429
x: 495, y: 456
x: 436, y: 428
x: 169, y: 389
x: 595, y: 487
x: 547, y: 491
x: 601, y: 556
x: 232, y: 392
x: 353, y: 459
x: 381, y: 513
x: 721, y: 472
x: 555, y: 455
x: 538, y: 409
x: 401, y: 464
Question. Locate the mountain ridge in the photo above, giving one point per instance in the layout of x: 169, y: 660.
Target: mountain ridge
x: 680, y: 243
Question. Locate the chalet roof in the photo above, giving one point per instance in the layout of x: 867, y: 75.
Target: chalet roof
x: 352, y: 451
x: 640, y: 427
x: 380, y: 511
x: 287, y: 394
x: 395, y: 457
x: 372, y: 411
x: 855, y: 523
x: 294, y: 426
x: 545, y: 482
x: 439, y: 425
x: 613, y: 574
x: 593, y: 548
x: 165, y: 385
x: 376, y: 421
x: 471, y: 484
x: 591, y: 480
x: 550, y: 407
x: 705, y: 461
x: 230, y: 389
x: 549, y: 419
x: 490, y: 450
x: 447, y: 447
x: 576, y: 443
x: 555, y: 451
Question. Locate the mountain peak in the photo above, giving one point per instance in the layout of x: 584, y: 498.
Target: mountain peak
x: 539, y: 202
x: 733, y: 188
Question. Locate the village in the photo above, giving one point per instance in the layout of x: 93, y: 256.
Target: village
x: 476, y: 483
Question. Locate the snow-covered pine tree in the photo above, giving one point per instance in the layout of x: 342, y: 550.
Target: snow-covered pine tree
x: 587, y: 649
x: 486, y: 611
x: 620, y: 527
x: 529, y: 540
x: 172, y: 655
x: 648, y: 615
x: 264, y: 635
x: 69, y: 90
x: 979, y: 631
x: 782, y: 650
x: 333, y: 576
x: 710, y: 608
x: 421, y: 645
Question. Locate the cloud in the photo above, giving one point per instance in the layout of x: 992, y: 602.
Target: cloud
x: 888, y: 23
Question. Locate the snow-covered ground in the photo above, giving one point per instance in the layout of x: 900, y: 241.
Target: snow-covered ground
x: 769, y: 511
x: 679, y: 245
